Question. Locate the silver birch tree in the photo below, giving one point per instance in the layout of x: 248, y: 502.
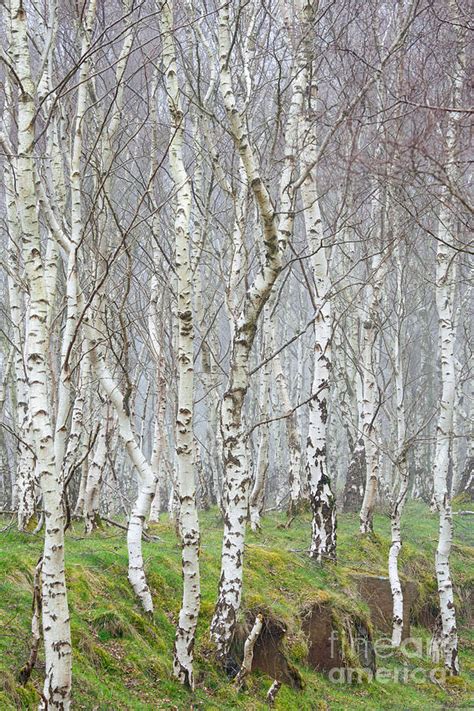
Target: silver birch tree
x: 55, y: 612
x: 188, y: 523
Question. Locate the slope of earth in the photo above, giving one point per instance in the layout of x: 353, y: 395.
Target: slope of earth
x: 123, y: 660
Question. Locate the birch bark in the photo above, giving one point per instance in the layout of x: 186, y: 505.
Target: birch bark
x: 236, y: 470
x: 25, y: 484
x: 56, y: 629
x: 401, y: 487
x: 95, y: 473
x: 159, y: 442
x: 370, y: 395
x: 323, y: 504
x: 445, y: 275
x: 185, y: 445
x: 445, y: 293
x: 258, y: 490
x: 291, y: 423
x: 146, y: 476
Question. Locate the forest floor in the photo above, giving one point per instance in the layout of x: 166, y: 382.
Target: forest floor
x: 123, y: 661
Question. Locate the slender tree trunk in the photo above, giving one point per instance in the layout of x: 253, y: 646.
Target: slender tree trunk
x: 76, y: 438
x: 444, y: 299
x: 291, y: 424
x: 355, y: 477
x: 146, y: 477
x: 95, y: 473
x: 401, y: 487
x: 155, y: 507
x: 156, y: 316
x: 323, y: 504
x: 25, y: 495
x: 258, y: 491
x: 445, y: 293
x: 351, y: 406
x: 236, y: 470
x: 185, y: 444
x: 249, y: 647
x: 56, y: 629
x: 370, y: 399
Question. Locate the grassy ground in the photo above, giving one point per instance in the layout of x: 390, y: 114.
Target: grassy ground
x: 122, y: 661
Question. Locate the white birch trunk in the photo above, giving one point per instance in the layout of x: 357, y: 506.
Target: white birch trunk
x: 323, y: 505
x: 146, y: 479
x: 26, y: 460
x: 95, y: 473
x: 291, y: 425
x: 185, y: 445
x: 249, y: 647
x: 77, y: 448
x: 351, y: 407
x: 258, y: 491
x: 236, y: 470
x: 79, y: 507
x: 56, y: 628
x: 445, y: 292
x: 401, y: 487
x: 155, y: 317
x: 370, y: 398
x: 76, y: 439
x: 212, y: 469
x: 445, y: 278
x: 155, y: 507
x: 445, y: 271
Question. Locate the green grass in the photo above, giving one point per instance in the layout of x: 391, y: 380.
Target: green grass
x: 123, y: 661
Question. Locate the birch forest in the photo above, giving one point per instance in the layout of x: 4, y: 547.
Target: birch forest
x: 236, y: 393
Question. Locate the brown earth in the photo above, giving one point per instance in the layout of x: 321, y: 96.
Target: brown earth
x: 325, y: 648
x: 268, y: 657
x: 376, y: 593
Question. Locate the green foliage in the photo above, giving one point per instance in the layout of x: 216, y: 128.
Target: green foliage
x: 122, y: 660
x: 109, y: 624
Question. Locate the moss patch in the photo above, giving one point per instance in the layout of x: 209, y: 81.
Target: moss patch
x: 122, y: 660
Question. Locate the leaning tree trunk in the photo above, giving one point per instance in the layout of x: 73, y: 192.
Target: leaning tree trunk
x: 146, y: 475
x: 236, y: 470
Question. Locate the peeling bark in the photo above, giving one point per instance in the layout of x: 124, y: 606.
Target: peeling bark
x: 323, y: 504
x: 188, y: 523
x: 249, y: 646
x: 275, y: 236
x: 445, y: 294
x: 56, y: 628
